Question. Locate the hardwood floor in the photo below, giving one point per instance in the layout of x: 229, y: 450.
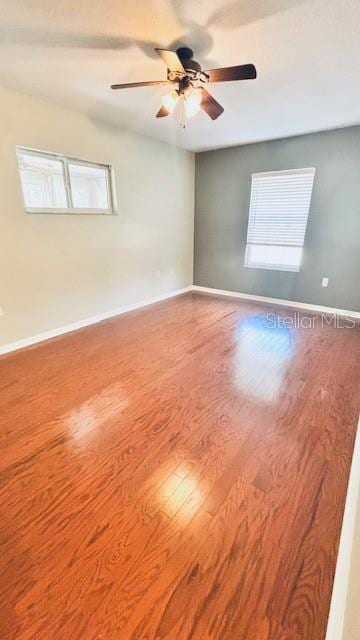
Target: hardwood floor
x: 177, y: 473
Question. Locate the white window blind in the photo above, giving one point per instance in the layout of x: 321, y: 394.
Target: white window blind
x: 279, y: 209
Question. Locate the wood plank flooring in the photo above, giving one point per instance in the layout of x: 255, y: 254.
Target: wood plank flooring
x: 177, y: 473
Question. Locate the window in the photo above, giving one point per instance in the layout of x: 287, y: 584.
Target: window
x: 52, y: 183
x: 279, y: 209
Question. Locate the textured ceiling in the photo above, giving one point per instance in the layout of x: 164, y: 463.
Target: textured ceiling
x: 306, y: 51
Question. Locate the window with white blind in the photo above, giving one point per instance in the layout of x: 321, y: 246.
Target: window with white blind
x: 279, y: 209
x: 53, y: 183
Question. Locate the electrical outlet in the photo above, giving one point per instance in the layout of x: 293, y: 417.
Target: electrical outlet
x: 325, y: 282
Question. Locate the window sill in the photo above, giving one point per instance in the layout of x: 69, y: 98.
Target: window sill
x: 73, y: 212
x: 273, y: 267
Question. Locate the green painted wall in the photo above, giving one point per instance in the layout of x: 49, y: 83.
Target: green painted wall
x: 332, y: 243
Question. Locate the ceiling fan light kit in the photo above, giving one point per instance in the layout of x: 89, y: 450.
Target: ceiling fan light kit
x: 193, y: 103
x: 188, y: 82
x: 169, y: 101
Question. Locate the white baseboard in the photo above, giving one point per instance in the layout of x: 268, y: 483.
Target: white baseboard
x: 336, y: 620
x: 302, y: 306
x: 58, y: 331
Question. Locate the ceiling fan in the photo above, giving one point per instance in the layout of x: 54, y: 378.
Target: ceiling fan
x: 188, y: 82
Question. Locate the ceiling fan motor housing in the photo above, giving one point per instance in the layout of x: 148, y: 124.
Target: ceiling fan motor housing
x: 186, y: 56
x: 185, y: 53
x: 191, y: 65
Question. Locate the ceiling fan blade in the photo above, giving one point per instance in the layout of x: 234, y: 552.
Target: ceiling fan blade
x: 210, y: 105
x: 163, y: 112
x: 171, y: 60
x: 226, y: 74
x: 129, y: 85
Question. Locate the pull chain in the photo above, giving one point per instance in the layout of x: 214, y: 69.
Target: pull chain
x: 182, y: 113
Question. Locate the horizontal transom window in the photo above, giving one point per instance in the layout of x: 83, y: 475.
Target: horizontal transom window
x: 53, y: 183
x: 278, y: 215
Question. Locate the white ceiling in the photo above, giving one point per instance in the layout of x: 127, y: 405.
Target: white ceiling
x: 307, y: 53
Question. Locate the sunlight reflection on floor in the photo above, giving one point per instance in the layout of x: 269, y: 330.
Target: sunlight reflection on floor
x: 262, y: 357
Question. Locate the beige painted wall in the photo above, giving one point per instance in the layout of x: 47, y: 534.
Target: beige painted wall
x: 57, y: 269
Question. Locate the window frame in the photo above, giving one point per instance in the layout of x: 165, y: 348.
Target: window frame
x: 275, y: 267
x: 66, y: 160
